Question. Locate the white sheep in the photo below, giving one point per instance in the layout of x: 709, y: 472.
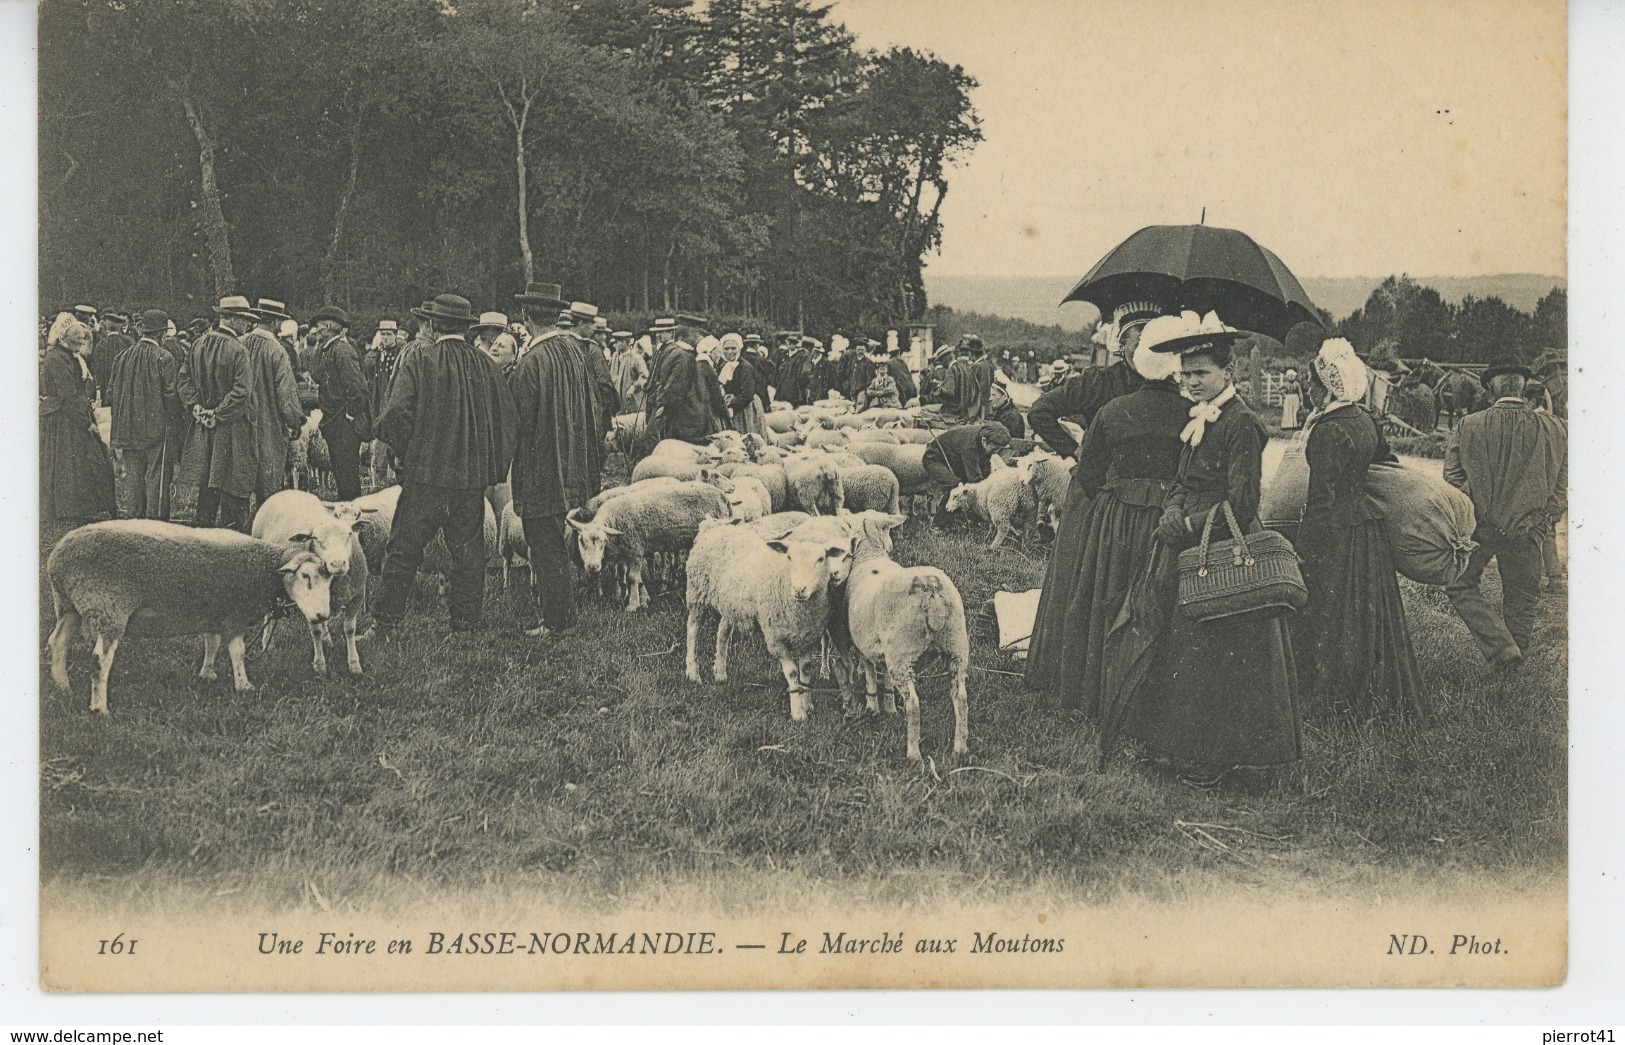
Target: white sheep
x: 819, y: 438
x: 815, y: 484
x: 906, y: 462
x: 142, y: 578
x: 629, y: 528
x: 748, y: 498
x: 914, y: 436
x: 672, y: 466
x: 1049, y: 480
x: 329, y: 530
x: 511, y: 544
x: 874, y: 435
x: 781, y: 421
x: 896, y: 615
x: 772, y: 475
x: 778, y: 584
x: 996, y: 499
x: 869, y: 487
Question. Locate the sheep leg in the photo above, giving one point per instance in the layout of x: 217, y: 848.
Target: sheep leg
x: 504, y: 573
x: 239, y: 671
x: 318, y: 659
x: 636, y: 596
x: 871, y: 688
x: 211, y: 652
x: 61, y: 635
x: 352, y: 655
x: 725, y: 633
x: 106, y: 647
x: 911, y: 705
x: 799, y: 702
x: 806, y: 668
x: 961, y: 699
x: 888, y: 689
x: 1001, y: 530
x: 692, y: 668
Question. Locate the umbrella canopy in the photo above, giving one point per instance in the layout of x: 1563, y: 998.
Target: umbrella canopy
x: 1201, y: 268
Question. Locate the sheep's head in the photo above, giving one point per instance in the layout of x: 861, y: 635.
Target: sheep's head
x: 735, y: 455
x: 813, y: 564
x: 307, y: 582
x: 743, y: 503
x: 876, y: 527
x: 754, y: 445
x: 593, y: 538
x: 331, y: 540
x: 956, y: 498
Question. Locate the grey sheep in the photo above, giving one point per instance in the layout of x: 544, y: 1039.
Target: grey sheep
x: 870, y: 487
x: 815, y: 484
x: 146, y: 579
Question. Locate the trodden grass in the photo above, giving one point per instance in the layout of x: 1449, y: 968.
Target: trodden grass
x: 593, y: 770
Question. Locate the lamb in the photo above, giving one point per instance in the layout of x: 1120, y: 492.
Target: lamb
x: 329, y: 530
x: 914, y: 436
x: 815, y: 484
x: 782, y: 421
x: 772, y: 475
x: 679, y: 450
x: 1049, y: 479
x: 150, y: 579
x: 903, y: 462
x: 511, y: 544
x: 785, y: 440
x: 779, y: 523
x: 638, y: 523
x: 995, y: 499
x: 819, y: 438
x: 875, y: 435
x: 870, y: 486
x: 781, y: 585
x: 311, y: 463
x: 748, y: 499
x: 895, y: 616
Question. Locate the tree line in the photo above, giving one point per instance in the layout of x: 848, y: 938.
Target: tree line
x: 741, y: 157
x: 1405, y: 319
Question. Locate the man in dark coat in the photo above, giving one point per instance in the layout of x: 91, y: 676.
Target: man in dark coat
x: 683, y: 404
x: 557, y: 465
x: 214, y: 384
x: 1001, y: 409
x: 451, y: 422
x: 145, y: 406
x: 273, y: 400
x: 583, y: 326
x: 786, y: 357
x: 345, y: 402
x: 112, y: 343
x: 963, y: 454
x: 898, y: 369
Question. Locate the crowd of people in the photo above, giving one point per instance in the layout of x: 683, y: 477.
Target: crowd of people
x: 1170, y: 451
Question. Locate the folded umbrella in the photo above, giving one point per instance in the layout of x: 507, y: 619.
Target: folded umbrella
x: 1203, y: 269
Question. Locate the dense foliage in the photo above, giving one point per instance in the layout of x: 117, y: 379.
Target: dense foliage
x: 1405, y: 319
x: 740, y: 156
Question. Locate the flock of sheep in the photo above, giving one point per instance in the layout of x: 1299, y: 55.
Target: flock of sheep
x: 789, y: 536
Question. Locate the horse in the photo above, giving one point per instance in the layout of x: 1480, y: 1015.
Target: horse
x: 1457, y: 391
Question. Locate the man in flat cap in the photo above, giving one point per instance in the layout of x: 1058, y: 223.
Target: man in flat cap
x: 213, y: 383
x: 345, y: 401
x: 450, y: 421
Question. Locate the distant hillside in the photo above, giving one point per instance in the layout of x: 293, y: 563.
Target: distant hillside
x: 1034, y: 298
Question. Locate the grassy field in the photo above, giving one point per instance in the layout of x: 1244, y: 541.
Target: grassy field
x: 591, y: 769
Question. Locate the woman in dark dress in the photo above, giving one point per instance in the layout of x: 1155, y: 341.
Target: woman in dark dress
x: 1080, y: 399
x: 1353, y: 644
x: 76, y: 478
x: 1223, y: 694
x: 1125, y: 470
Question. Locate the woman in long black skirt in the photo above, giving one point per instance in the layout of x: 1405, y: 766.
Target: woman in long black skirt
x: 1218, y: 695
x: 1353, y: 644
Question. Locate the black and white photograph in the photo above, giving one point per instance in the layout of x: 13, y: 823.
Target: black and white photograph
x: 716, y: 494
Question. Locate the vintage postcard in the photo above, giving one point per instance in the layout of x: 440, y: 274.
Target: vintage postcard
x: 541, y: 495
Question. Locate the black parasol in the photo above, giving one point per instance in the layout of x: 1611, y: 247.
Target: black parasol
x: 1204, y: 269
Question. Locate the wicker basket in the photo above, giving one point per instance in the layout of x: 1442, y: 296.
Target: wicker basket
x: 1248, y: 577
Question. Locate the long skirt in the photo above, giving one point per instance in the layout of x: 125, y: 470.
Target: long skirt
x: 1290, y: 405
x: 750, y: 419
x: 76, y: 476
x: 1101, y: 546
x: 1219, y: 695
x: 1353, y: 644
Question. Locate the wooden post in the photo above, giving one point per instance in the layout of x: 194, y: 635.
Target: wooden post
x: 1255, y: 376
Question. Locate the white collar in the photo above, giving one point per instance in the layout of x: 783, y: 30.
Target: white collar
x: 451, y: 337
x: 1520, y: 400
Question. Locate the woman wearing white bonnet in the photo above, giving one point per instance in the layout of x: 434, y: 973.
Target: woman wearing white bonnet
x: 1354, y: 647
x: 76, y: 478
x: 1125, y: 469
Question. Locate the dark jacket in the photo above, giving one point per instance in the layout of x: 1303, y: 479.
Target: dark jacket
x: 144, y: 399
x: 1133, y: 446
x: 1227, y: 465
x: 558, y: 461
x: 1009, y: 415
x: 1513, y: 462
x: 680, y: 397
x: 450, y: 418
x: 1079, y: 399
x: 1341, y: 446
x: 905, y: 380
x: 214, y: 374
x: 343, y: 388
x: 961, y: 448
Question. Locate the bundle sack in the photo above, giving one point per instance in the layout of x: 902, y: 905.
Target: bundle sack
x: 1428, y: 522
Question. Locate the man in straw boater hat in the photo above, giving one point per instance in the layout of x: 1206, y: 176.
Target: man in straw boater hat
x: 584, y: 319
x: 558, y: 461
x: 491, y: 336
x: 685, y: 404
x: 786, y: 358
x: 630, y: 372
x: 450, y: 421
x: 1081, y: 398
x: 274, y: 416
x: 378, y: 368
x: 145, y: 409
x: 345, y: 401
x: 662, y: 334
x: 213, y: 383
x: 1513, y: 461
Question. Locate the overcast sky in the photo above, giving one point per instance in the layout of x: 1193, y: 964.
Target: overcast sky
x: 1360, y: 139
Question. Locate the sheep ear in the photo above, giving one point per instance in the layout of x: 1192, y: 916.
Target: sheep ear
x: 894, y: 521
x: 779, y: 546
x: 288, y: 567
x: 612, y: 532
x: 574, y: 522
x: 296, y: 538
x: 355, y: 526
x: 371, y: 511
